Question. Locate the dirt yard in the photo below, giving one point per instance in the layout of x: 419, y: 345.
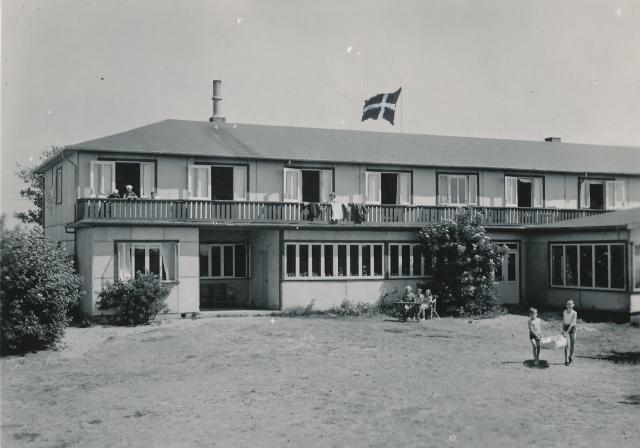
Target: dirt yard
x: 366, y: 382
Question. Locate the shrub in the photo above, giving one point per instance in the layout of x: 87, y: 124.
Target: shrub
x: 38, y: 288
x: 465, y: 260
x: 349, y: 308
x: 136, y: 301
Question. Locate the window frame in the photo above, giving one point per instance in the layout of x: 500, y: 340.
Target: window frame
x: 58, y: 184
x: 379, y: 173
x: 208, y: 166
x: 423, y: 264
x: 147, y: 244
x: 533, y: 178
x: 606, y: 183
x: 225, y: 244
x: 334, y: 256
x: 458, y: 174
x: 593, y: 245
x: 635, y: 261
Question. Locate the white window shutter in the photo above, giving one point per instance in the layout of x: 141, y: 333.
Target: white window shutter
x: 403, y: 188
x: 373, y: 180
x: 326, y: 184
x: 585, y: 200
x: 473, y: 189
x: 443, y: 189
x: 239, y: 183
x: 615, y: 194
x: 102, y: 178
x: 511, y: 191
x: 147, y: 174
x: 620, y: 195
x: 292, y: 185
x: 199, y: 181
x: 610, y: 194
x: 538, y: 192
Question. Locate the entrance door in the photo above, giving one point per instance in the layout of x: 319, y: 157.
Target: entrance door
x: 508, y: 275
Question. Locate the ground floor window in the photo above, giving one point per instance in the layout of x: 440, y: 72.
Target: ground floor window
x: 224, y: 260
x: 326, y: 260
x: 409, y: 260
x: 636, y: 267
x: 587, y: 265
x: 159, y: 258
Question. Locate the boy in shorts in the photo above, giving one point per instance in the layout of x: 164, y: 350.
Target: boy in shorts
x: 569, y: 323
x: 535, y: 333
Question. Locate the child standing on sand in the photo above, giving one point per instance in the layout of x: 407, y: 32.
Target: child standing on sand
x: 569, y: 323
x: 535, y: 333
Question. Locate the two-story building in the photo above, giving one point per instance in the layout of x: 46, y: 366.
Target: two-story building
x: 242, y: 214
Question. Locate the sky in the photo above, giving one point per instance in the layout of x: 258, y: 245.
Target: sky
x: 518, y: 69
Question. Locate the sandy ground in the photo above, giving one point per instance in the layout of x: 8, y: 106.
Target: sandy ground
x: 343, y: 382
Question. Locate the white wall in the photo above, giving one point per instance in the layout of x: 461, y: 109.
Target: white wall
x: 96, y: 262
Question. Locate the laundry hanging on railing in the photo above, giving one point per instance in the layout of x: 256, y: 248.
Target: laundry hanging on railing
x: 313, y: 211
x: 358, y: 213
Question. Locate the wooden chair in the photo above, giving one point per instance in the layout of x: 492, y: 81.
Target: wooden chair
x: 432, y: 308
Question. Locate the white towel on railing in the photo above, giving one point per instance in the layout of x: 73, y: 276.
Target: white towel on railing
x: 336, y: 211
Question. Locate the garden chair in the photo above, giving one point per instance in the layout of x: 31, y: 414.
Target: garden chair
x: 432, y: 308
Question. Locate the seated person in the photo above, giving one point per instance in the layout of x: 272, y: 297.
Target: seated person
x: 423, y: 304
x: 130, y: 194
x: 114, y: 195
x: 408, y: 310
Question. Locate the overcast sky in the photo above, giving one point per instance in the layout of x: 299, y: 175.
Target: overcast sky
x: 520, y: 69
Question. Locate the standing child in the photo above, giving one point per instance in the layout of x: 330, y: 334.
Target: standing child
x: 535, y: 333
x: 422, y: 306
x: 569, y: 323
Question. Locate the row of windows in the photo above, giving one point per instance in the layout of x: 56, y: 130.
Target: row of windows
x: 572, y: 265
x: 224, y: 260
x: 354, y: 260
x: 314, y: 185
x: 588, y: 265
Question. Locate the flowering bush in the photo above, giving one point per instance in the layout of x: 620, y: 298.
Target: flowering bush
x: 38, y: 288
x: 135, y: 301
x: 349, y: 308
x: 465, y: 260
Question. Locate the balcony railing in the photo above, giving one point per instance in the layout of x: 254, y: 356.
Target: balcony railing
x: 249, y: 212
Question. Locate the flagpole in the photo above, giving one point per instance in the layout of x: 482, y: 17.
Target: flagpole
x: 401, y: 114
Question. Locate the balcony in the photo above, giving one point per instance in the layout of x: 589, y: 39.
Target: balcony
x: 162, y: 211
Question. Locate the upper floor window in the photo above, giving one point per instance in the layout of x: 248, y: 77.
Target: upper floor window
x: 523, y: 191
x: 58, y: 185
x: 160, y: 258
x: 388, y: 188
x: 307, y: 185
x: 602, y: 194
x: 106, y: 176
x: 457, y: 189
x: 225, y: 183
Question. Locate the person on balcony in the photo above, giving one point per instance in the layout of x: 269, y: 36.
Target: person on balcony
x: 115, y: 194
x: 130, y: 194
x: 336, y: 208
x: 154, y: 195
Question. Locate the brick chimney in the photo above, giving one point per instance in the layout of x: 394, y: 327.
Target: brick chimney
x: 553, y: 139
x: 217, y: 107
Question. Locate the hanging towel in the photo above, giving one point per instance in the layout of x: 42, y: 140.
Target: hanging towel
x: 336, y: 212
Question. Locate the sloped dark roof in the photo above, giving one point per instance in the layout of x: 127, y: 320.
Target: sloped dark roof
x: 347, y: 146
x: 629, y: 218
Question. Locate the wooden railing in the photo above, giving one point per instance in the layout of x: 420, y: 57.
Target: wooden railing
x: 197, y: 211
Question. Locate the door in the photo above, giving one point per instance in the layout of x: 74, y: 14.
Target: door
x: 508, y: 275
